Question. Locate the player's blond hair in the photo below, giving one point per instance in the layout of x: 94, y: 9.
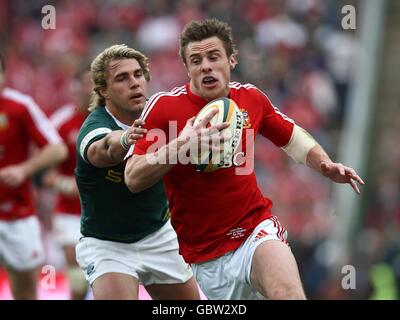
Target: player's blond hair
x: 99, y: 68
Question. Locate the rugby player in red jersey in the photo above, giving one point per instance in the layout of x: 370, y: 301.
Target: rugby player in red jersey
x: 22, y: 123
x: 225, y: 228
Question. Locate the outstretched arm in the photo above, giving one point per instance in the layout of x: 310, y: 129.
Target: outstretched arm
x: 143, y: 171
x: 337, y: 172
x: 304, y: 149
x: 111, y: 149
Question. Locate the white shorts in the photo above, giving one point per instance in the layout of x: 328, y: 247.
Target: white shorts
x: 152, y: 260
x: 67, y: 228
x: 21, y: 244
x: 228, y: 277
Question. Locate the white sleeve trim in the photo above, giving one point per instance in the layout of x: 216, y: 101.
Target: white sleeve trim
x: 299, y: 145
x: 92, y: 134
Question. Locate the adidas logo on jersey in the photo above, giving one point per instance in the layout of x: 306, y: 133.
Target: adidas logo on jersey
x: 260, y: 235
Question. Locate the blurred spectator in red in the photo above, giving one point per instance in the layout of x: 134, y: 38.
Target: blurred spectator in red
x: 22, y: 123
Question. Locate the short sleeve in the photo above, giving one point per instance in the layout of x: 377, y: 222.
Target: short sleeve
x: 90, y: 133
x: 275, y: 125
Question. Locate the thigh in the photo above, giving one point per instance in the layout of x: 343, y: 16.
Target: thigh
x: 231, y: 278
x: 23, y: 283
x: 274, y: 271
x: 176, y: 291
x: 70, y: 255
x: 115, y: 286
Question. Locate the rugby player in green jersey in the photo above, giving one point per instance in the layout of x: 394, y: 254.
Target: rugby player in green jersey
x: 127, y: 238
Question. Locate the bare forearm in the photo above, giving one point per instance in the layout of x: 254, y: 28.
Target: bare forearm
x: 316, y: 156
x: 143, y: 171
x: 337, y: 172
x: 114, y: 150
x: 47, y: 157
x: 108, y: 151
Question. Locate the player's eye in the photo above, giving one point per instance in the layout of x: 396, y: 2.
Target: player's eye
x: 214, y: 57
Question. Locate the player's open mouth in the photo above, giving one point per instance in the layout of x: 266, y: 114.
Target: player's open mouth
x: 209, y: 81
x: 138, y: 96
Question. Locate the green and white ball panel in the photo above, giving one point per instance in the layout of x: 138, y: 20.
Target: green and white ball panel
x: 208, y: 161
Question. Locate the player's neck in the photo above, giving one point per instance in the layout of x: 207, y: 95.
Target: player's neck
x: 124, y: 116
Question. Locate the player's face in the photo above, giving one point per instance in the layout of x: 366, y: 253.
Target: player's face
x: 209, y: 68
x: 126, y: 89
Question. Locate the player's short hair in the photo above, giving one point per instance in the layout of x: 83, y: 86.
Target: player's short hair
x: 200, y: 30
x: 99, y: 68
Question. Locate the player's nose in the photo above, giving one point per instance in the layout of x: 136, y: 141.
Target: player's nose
x: 206, y: 65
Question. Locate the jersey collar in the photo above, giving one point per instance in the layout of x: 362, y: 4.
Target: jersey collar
x: 123, y: 126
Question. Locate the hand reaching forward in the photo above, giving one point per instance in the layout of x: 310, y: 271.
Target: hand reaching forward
x: 341, y: 174
x: 134, y: 133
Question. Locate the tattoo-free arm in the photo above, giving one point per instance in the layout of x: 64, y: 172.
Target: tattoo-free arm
x: 109, y: 151
x: 318, y: 159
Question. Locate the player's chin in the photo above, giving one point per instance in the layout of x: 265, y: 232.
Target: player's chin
x: 138, y: 105
x: 214, y: 94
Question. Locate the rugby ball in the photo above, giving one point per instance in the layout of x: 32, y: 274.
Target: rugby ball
x: 207, y: 160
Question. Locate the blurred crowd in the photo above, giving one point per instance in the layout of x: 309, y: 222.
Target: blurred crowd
x: 293, y: 50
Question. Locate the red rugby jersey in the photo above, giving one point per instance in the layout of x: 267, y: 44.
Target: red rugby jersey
x: 68, y: 120
x: 213, y: 213
x: 21, y: 123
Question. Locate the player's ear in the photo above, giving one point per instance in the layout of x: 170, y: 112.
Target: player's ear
x: 103, y: 92
x: 232, y: 61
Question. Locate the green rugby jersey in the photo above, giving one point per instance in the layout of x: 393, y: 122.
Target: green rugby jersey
x: 109, y: 210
